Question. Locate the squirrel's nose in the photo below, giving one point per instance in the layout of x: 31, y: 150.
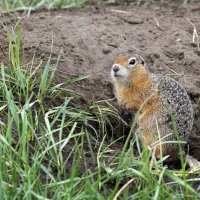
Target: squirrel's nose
x: 115, y: 68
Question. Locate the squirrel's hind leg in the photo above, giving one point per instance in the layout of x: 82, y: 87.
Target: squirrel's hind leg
x: 192, y: 162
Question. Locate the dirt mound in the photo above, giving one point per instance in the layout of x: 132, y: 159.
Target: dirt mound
x: 91, y: 37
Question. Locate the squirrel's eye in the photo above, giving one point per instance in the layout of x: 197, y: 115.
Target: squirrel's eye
x: 142, y: 62
x: 132, y: 62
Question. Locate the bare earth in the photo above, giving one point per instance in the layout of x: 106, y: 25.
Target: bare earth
x: 91, y: 37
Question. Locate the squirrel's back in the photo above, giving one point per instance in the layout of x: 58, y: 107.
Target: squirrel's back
x: 174, y: 97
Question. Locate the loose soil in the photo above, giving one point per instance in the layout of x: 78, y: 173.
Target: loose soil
x: 88, y: 39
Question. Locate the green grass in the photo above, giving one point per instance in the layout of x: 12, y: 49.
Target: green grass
x: 68, y: 151
x: 32, y: 5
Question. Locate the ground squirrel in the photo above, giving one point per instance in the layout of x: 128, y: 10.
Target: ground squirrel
x: 134, y: 84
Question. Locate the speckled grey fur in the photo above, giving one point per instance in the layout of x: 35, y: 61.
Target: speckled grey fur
x: 173, y: 96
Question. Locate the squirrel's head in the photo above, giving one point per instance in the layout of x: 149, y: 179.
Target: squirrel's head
x: 128, y: 67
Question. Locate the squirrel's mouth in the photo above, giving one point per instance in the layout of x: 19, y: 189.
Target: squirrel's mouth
x: 117, y: 75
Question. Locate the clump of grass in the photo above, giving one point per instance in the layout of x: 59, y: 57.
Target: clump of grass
x: 34, y: 136
x: 190, y: 1
x: 67, y: 151
x: 29, y: 5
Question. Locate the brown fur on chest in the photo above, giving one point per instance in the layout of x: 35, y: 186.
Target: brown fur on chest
x: 135, y: 92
